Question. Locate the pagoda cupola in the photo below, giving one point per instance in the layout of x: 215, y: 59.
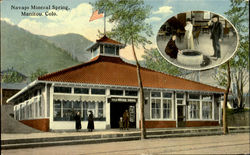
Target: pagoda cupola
x: 106, y: 46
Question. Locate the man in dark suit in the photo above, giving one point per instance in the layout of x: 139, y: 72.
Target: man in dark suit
x: 216, y: 35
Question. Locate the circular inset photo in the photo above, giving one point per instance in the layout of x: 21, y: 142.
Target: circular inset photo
x: 197, y: 40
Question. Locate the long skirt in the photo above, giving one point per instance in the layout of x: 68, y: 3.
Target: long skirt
x: 91, y: 125
x: 189, y: 42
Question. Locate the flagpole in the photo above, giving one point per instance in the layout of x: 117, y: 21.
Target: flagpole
x: 104, y: 22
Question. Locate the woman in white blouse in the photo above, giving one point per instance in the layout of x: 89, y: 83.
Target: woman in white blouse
x: 188, y: 38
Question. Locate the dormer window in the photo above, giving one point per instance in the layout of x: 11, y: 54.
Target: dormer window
x: 105, y: 46
x: 111, y: 50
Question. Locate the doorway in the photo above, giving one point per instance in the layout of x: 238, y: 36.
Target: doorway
x: 181, y: 115
x: 116, y: 111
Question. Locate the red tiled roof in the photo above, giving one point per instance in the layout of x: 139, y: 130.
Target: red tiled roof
x: 105, y: 39
x: 114, y: 71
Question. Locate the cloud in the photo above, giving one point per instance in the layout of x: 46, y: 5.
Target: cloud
x: 75, y: 20
x: 164, y: 10
x: 153, y: 19
x: 7, y: 20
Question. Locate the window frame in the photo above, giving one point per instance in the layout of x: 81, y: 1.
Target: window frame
x: 189, y: 108
x: 162, y: 99
x: 211, y: 101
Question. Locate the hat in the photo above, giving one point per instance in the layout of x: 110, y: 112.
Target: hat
x: 215, y: 16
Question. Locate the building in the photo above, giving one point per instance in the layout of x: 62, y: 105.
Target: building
x: 10, y: 89
x: 108, y: 86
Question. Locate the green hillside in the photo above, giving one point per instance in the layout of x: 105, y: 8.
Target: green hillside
x: 26, y: 52
x: 73, y: 43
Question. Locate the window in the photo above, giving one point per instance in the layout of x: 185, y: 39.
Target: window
x: 110, y: 50
x: 31, y: 110
x: 36, y: 107
x: 206, y: 106
x: 35, y: 92
x: 194, y: 109
x: 116, y: 92
x: 167, y: 108
x: 194, y: 96
x: 178, y: 95
x: 62, y: 90
x: 206, y: 110
x: 17, y: 114
x: 156, y: 108
x: 26, y: 113
x: 40, y: 106
x: 67, y: 111
x: 81, y: 90
x: 77, y: 107
x: 57, y: 110
x: 161, y: 105
x: 131, y: 93
x: 167, y: 95
x: 95, y: 52
x: 98, y: 91
x: 101, y: 48
x: 117, y: 50
x: 155, y: 94
x: 179, y: 101
x: 21, y: 111
x: 100, y: 110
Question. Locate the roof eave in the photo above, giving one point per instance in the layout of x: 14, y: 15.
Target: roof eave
x: 23, y: 90
x: 92, y: 46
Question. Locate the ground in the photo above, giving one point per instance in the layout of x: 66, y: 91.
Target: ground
x: 222, y: 144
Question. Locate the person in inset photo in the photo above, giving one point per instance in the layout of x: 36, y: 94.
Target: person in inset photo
x: 216, y: 35
x: 171, y: 48
x: 188, y: 38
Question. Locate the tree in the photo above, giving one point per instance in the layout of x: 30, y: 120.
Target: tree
x: 153, y: 60
x: 12, y: 77
x: 225, y: 127
x: 37, y: 73
x: 128, y: 17
x: 238, y: 15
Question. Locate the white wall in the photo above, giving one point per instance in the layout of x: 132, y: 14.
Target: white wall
x: 65, y: 125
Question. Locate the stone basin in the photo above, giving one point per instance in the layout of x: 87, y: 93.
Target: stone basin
x: 190, y: 57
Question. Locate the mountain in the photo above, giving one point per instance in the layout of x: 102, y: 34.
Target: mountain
x: 74, y: 44
x: 26, y: 52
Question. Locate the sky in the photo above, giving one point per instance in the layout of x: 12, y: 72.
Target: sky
x: 76, y: 18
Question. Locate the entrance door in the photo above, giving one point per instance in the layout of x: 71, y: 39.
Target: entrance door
x: 116, y: 111
x: 181, y: 115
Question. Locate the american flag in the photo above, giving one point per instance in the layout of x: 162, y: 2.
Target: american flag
x: 96, y: 15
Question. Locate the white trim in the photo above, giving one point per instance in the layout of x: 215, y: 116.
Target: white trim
x: 201, y: 120
x: 23, y: 90
x: 51, y: 103
x: 45, y: 100
x: 161, y: 105
x: 213, y: 108
x: 130, y: 87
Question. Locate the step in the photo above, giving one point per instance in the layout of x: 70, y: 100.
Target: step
x: 60, y: 143
x: 186, y: 135
x: 90, y: 139
x: 65, y: 138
